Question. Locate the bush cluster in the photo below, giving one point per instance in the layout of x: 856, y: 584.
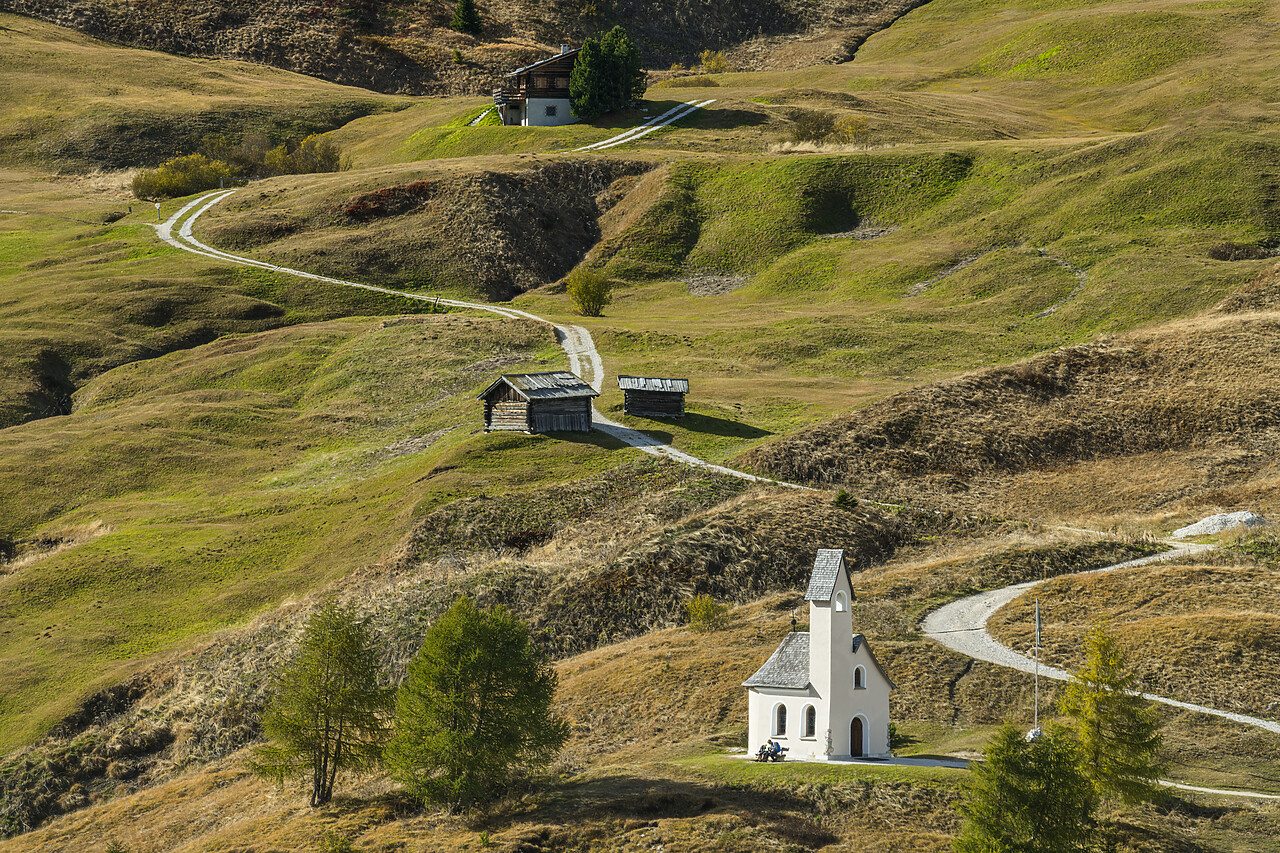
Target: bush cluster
x: 222, y: 162
x: 713, y: 62
x: 821, y: 126
x: 181, y: 176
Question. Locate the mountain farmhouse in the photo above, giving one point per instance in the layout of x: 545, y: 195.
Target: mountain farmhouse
x: 822, y: 694
x: 538, y: 402
x: 537, y: 95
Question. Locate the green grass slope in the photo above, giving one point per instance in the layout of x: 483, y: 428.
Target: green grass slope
x: 67, y: 100
x: 218, y: 481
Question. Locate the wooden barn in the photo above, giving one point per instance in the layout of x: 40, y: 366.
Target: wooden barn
x: 538, y: 402
x: 652, y: 396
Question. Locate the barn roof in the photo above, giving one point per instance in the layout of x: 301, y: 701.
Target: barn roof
x: 653, y: 383
x: 787, y: 667
x: 554, y: 385
x: 826, y: 571
x: 542, y: 62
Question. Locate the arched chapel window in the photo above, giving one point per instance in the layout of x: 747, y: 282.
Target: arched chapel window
x: 840, y: 602
x: 810, y: 721
x: 859, y: 678
x: 780, y: 721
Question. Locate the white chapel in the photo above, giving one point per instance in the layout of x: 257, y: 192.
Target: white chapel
x: 822, y: 694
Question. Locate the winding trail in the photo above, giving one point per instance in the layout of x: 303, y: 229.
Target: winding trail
x: 584, y: 359
x: 962, y: 627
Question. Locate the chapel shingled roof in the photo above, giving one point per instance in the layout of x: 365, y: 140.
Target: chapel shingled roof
x: 787, y: 667
x: 826, y: 570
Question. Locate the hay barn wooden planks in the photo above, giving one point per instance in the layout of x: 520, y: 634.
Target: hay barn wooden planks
x: 557, y: 401
x: 652, y: 396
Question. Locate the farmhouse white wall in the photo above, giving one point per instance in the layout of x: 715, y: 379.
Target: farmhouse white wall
x: 535, y: 113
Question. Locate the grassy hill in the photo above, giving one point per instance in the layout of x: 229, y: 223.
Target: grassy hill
x: 1040, y: 290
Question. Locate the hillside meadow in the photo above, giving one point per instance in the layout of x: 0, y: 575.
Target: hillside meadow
x: 1040, y: 290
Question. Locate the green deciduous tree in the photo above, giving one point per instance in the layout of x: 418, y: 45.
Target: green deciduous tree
x: 474, y: 708
x: 590, y: 290
x: 1028, y: 797
x: 1118, y: 731
x: 607, y: 75
x: 466, y: 18
x: 327, y: 712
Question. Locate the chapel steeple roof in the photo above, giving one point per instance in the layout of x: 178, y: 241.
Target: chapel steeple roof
x: 827, y: 567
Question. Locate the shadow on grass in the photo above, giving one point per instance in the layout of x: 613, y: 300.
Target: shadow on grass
x: 709, y: 425
x: 712, y: 118
x: 643, y: 801
x: 600, y: 439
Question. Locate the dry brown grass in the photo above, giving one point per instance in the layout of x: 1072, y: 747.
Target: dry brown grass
x: 1203, y: 633
x: 1164, y: 422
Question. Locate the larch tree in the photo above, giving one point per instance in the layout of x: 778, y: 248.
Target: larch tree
x: 474, y: 709
x: 1028, y: 796
x: 327, y: 712
x: 1119, y: 732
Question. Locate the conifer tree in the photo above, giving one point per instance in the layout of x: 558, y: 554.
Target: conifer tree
x: 586, y: 82
x: 1118, y: 731
x: 327, y: 712
x: 466, y: 18
x: 474, y: 708
x: 607, y: 75
x: 1028, y: 797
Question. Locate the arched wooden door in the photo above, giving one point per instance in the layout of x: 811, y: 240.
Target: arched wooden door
x: 855, y: 737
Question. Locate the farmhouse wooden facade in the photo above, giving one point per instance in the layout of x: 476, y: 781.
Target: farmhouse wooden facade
x: 538, y: 402
x: 653, y: 397
x: 538, y: 94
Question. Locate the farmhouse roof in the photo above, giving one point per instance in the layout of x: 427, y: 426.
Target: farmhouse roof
x: 827, y: 566
x: 542, y: 62
x: 653, y: 383
x: 787, y: 667
x: 554, y: 385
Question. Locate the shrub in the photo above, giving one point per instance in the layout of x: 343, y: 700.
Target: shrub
x: 181, y: 176
x: 676, y: 66
x: 811, y: 125
x: 706, y: 614
x: 1238, y: 252
x: 713, y: 62
x: 590, y: 291
x: 850, y: 130
x: 314, y: 154
x: 457, y: 56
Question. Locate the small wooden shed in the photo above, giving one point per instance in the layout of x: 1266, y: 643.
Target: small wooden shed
x: 652, y: 396
x: 538, y: 402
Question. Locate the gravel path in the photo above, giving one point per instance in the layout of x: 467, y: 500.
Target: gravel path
x: 672, y: 115
x: 962, y: 627
x: 584, y: 358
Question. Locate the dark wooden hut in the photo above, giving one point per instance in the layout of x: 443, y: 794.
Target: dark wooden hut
x: 538, y: 402
x: 653, y: 397
x: 538, y: 94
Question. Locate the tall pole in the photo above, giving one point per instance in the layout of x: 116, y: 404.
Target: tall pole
x: 1036, y: 726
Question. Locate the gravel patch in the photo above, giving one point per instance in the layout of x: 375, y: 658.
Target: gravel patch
x: 1220, y: 522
